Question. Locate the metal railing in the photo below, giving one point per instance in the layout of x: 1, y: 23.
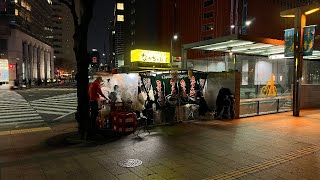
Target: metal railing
x: 258, y: 106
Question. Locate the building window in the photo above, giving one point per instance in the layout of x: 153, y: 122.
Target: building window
x: 207, y: 37
x: 16, y: 12
x: 133, y: 11
x: 120, y: 18
x: 207, y: 52
x: 133, y: 22
x: 120, y: 6
x: 133, y: 32
x: 207, y: 27
x: 208, y: 3
x: 3, y: 44
x: 208, y: 15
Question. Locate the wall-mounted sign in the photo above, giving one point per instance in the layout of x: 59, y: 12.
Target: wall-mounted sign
x: 289, y: 42
x: 139, y: 55
x: 308, y: 40
x: 4, y: 70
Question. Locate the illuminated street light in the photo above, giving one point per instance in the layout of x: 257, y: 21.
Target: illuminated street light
x: 299, y: 15
x: 248, y: 23
x: 174, y: 38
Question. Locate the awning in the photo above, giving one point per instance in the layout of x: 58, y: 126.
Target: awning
x: 243, y: 44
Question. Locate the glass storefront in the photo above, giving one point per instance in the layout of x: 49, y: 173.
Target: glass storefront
x: 266, y: 85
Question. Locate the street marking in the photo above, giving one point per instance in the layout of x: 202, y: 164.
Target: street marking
x: 24, y: 131
x: 62, y: 105
x: 257, y: 167
x: 63, y: 116
x: 15, y: 110
x: 50, y: 112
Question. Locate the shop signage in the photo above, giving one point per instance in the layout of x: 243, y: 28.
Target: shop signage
x: 169, y: 90
x: 139, y: 55
x: 4, y: 70
x: 308, y: 40
x: 289, y: 42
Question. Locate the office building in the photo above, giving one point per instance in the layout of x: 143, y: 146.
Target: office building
x: 63, y: 31
x: 26, y: 34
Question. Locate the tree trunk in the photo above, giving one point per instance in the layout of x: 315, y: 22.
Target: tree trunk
x: 80, y: 48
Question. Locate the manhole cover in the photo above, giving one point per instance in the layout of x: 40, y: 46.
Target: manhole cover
x: 130, y: 163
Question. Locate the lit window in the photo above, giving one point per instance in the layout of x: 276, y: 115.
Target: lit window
x: 16, y: 1
x: 120, y: 6
x: 16, y: 12
x: 120, y: 18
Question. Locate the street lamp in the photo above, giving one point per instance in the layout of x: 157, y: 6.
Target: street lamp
x: 247, y: 23
x: 174, y: 38
x: 299, y: 15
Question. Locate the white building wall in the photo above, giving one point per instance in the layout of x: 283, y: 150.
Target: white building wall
x: 15, y: 55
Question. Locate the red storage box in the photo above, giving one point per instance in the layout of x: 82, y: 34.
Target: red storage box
x: 124, y: 122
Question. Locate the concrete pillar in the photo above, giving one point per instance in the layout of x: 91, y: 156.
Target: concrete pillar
x: 42, y: 64
x: 26, y: 61
x: 31, y: 61
x: 52, y: 64
x: 49, y: 65
x: 35, y: 62
x: 38, y: 63
x: 45, y: 58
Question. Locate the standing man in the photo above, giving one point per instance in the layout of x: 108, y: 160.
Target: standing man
x: 95, y: 93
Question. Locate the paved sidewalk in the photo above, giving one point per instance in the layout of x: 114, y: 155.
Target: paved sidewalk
x: 277, y: 146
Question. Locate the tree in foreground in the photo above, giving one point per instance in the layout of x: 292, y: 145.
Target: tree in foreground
x: 81, y: 21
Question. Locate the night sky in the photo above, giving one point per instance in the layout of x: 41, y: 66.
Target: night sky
x: 99, y: 25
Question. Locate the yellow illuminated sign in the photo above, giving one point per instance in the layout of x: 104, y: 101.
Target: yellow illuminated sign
x: 139, y: 55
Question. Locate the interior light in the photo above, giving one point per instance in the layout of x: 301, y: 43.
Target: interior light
x: 232, y: 26
x: 288, y: 16
x: 312, y: 11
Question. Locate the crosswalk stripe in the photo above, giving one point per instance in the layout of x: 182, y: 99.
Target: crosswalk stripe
x: 58, y: 105
x: 14, y: 109
x: 24, y: 112
x: 21, y: 119
x: 62, y: 106
x: 50, y: 112
x: 52, y: 109
x: 18, y: 115
x: 55, y: 103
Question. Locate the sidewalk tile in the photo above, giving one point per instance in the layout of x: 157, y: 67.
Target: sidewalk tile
x: 128, y: 176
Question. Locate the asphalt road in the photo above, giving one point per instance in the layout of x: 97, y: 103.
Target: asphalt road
x: 36, y: 107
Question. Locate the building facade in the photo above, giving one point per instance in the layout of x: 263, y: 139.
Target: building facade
x: 201, y: 20
x: 136, y: 26
x: 26, y: 40
x: 63, y: 30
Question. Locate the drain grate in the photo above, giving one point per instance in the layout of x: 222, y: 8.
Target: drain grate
x: 129, y: 163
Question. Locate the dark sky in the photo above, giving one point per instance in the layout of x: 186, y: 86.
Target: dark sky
x: 98, y: 33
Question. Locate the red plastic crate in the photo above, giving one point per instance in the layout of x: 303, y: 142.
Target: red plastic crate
x: 124, y: 122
